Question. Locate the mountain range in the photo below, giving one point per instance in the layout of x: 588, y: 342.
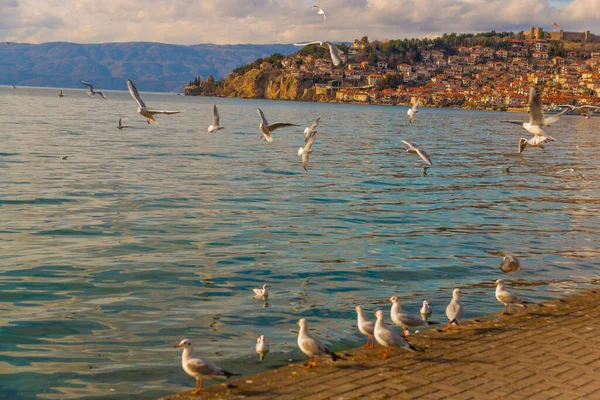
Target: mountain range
x: 157, y: 67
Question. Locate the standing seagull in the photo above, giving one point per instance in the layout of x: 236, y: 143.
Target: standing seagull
x: 366, y: 327
x: 92, y: 92
x: 537, y: 121
x: 312, y: 347
x: 404, y: 319
x: 455, y: 310
x: 321, y: 12
x: 142, y: 110
x: 412, y: 112
x: 266, y: 129
x: 305, y: 151
x: 506, y: 298
x: 389, y: 338
x: 215, y: 125
x: 334, y: 52
x: 199, y: 368
x: 414, y: 149
x: 119, y: 127
x: 311, y: 129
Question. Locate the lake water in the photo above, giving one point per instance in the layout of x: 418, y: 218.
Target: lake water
x: 155, y: 233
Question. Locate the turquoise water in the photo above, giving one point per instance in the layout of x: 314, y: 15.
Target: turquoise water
x: 155, y: 233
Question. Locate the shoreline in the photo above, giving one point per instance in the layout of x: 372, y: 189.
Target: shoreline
x: 549, y: 349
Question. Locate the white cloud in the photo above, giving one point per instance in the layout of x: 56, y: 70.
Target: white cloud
x: 282, y: 21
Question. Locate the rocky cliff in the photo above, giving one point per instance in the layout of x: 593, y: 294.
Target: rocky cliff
x: 258, y: 84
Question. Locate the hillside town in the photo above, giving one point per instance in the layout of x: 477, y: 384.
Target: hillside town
x: 476, y: 77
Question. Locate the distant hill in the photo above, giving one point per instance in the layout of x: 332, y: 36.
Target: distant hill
x: 152, y: 66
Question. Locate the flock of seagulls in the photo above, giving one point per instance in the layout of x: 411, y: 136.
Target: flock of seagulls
x: 375, y: 330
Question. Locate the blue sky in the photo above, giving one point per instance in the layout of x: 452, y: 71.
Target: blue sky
x: 279, y: 21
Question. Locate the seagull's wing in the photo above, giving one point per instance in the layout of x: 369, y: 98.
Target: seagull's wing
x: 513, y: 122
x: 507, y: 298
x: 202, y: 367
x: 417, y: 103
x: 409, y: 144
x: 556, y: 117
x: 102, y: 95
x: 306, y: 151
x: 120, y: 122
x: 314, y: 125
x: 325, y: 17
x: 164, y: 112
x: 257, y: 291
x: 423, y: 154
x: 536, y: 113
x: 369, y: 327
x: 452, y: 311
x: 277, y: 125
x: 88, y: 85
x: 216, y: 117
x: 411, y: 119
x: 308, y: 44
x: 334, y: 52
x: 594, y: 107
x: 134, y: 93
x: 262, y: 117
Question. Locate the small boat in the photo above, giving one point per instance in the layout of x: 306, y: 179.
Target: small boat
x: 60, y: 94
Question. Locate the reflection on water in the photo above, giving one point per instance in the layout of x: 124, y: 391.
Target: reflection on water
x: 151, y: 234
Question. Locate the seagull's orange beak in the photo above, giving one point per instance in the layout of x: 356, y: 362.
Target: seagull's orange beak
x: 176, y: 346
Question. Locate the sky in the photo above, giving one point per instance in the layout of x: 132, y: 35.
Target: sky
x: 279, y: 21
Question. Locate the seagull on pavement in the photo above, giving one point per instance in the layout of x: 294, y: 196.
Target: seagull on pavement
x: 321, y: 12
x: 311, y: 129
x: 92, y: 92
x: 199, y: 368
x: 366, y: 327
x: 506, y: 298
x: 142, y: 109
x: 215, y: 125
x: 312, y: 346
x: 334, y: 52
x: 266, y: 129
x: 404, y: 319
x: 389, y: 338
x: 414, y: 149
x: 455, y: 310
x: 412, y: 112
x: 306, y: 150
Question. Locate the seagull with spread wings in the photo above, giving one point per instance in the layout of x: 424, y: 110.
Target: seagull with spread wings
x: 306, y: 150
x: 311, y: 129
x: 92, y: 92
x: 266, y: 129
x: 142, y: 109
x: 321, y: 12
x: 417, y: 150
x: 334, y: 52
x: 216, y: 118
x: 412, y: 112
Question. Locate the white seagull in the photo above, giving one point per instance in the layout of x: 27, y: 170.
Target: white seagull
x: 506, y: 298
x: 422, y: 153
x: 142, y: 110
x: 389, y: 338
x: 510, y: 262
x: 262, y: 292
x: 311, y: 129
x: 92, y: 92
x: 262, y: 346
x: 215, y: 125
x: 266, y: 129
x: 321, y: 12
x: 455, y: 310
x: 537, y: 121
x: 366, y: 327
x: 334, y: 52
x: 404, y: 319
x: 199, y: 368
x: 425, y: 310
x: 412, y: 112
x: 306, y: 150
x: 312, y: 346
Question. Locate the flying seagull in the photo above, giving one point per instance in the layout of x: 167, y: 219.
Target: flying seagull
x: 412, y: 112
x: 311, y: 129
x: 142, y: 110
x: 510, y: 262
x: 305, y: 151
x: 92, y: 92
x: 414, y: 149
x: 334, y: 52
x: 199, y: 368
x: 119, y: 127
x: 579, y: 175
x: 312, y: 346
x: 266, y: 129
x: 537, y: 121
x: 321, y: 12
x: 215, y: 125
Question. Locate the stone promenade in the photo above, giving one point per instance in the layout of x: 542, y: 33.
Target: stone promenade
x: 546, y: 351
